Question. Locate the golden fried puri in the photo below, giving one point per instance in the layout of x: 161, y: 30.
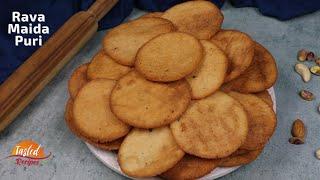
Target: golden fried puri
x: 92, y: 115
x: 152, y: 14
x: 266, y: 97
x: 261, y: 74
x: 123, y: 41
x: 261, y: 118
x: 169, y: 57
x: 77, y: 80
x: 201, y: 19
x: 146, y: 153
x: 102, y: 66
x: 190, y: 167
x: 239, y: 49
x: 210, y: 74
x: 146, y: 104
x: 213, y: 127
x: 239, y: 159
x: 108, y: 146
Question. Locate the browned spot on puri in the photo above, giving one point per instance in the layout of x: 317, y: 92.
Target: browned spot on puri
x: 211, y: 108
x: 118, y: 87
x: 202, y: 109
x: 176, y: 93
x: 183, y: 127
x: 225, y: 126
x: 130, y: 82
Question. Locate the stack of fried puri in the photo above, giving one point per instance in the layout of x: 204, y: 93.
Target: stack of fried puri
x: 175, y: 95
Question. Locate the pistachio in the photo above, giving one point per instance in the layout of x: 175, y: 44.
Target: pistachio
x: 318, y: 153
x: 310, y: 56
x: 315, y: 70
x: 306, y: 95
x: 302, y: 55
x: 303, y: 71
x: 317, y: 61
x: 296, y: 140
x: 298, y: 129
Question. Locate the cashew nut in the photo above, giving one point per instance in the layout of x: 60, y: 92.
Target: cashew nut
x: 304, y: 71
x: 318, y: 153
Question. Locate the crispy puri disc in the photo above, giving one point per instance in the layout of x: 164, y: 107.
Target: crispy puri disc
x: 108, y: 146
x: 169, y: 57
x: 152, y: 14
x: 239, y: 159
x: 239, y: 49
x: 202, y: 19
x: 123, y: 41
x: 261, y: 118
x: 190, y: 167
x: 240, y: 152
x: 92, y: 115
x: 265, y: 96
x: 210, y: 74
x: 77, y: 80
x: 261, y: 74
x: 146, y: 104
x: 113, y: 145
x: 146, y: 153
x: 102, y: 66
x: 213, y: 127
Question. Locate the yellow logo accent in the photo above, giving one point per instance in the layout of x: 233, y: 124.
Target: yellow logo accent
x: 28, y: 152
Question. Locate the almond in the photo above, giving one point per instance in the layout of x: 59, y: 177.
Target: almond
x: 298, y: 129
x: 302, y: 55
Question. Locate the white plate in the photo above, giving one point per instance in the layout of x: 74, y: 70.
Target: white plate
x: 109, y: 158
